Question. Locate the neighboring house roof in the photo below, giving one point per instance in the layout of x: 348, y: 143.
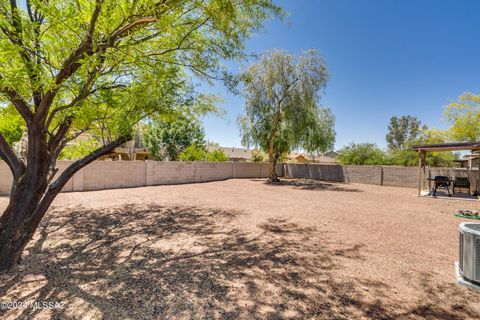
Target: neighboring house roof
x: 325, y: 159
x: 331, y: 154
x: 126, y: 150
x: 234, y: 153
x: 317, y: 159
x: 297, y: 156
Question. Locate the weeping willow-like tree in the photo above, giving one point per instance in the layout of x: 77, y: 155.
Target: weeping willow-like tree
x: 282, y: 110
x: 100, y: 66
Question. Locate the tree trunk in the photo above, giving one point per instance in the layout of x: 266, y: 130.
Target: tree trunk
x: 21, y: 218
x: 19, y: 222
x: 272, y: 160
x: 31, y: 196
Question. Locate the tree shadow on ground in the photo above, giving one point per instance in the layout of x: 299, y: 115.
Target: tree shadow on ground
x: 310, y: 184
x: 150, y: 262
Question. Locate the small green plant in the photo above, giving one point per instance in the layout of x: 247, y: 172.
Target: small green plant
x: 468, y: 214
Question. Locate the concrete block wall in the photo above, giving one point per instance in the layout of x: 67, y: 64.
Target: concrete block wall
x: 400, y: 176
x: 212, y: 171
x: 5, y: 179
x: 101, y: 175
x: 326, y: 172
x: 363, y: 174
x: 113, y: 174
x: 169, y: 172
x: 61, y: 166
x: 360, y: 174
x: 378, y: 175
x: 245, y: 170
x: 296, y: 170
x: 124, y: 174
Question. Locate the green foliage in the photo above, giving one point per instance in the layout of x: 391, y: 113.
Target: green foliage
x: 409, y: 158
x: 362, y: 154
x: 258, y: 156
x: 11, y: 124
x: 166, y: 139
x: 198, y: 153
x: 282, y: 110
x: 441, y: 159
x: 193, y: 153
x: 406, y: 131
x: 370, y: 154
x: 102, y: 66
x: 464, y: 115
x: 402, y: 131
x: 216, y: 156
x: 78, y: 149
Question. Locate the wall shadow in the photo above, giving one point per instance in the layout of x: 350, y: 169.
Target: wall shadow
x: 151, y: 262
x: 327, y: 172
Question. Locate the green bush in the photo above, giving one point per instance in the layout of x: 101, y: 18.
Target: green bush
x: 362, y: 154
x: 216, y: 156
x: 193, y: 153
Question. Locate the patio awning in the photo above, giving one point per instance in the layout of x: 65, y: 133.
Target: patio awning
x: 422, y: 150
x: 475, y: 145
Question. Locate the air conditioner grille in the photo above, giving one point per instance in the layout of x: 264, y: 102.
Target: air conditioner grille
x: 461, y: 251
x: 477, y: 259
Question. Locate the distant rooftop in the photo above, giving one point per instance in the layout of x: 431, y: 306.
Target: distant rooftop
x: 233, y: 152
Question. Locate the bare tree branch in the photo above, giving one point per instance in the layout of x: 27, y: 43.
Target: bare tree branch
x: 79, y: 164
x: 6, y: 153
x: 58, y: 136
x: 19, y: 103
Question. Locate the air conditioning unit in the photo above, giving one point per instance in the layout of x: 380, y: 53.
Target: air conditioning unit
x: 469, y: 253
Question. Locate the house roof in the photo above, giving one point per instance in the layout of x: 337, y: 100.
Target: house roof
x: 331, y: 154
x: 125, y: 150
x: 318, y: 159
x: 475, y: 145
x: 295, y: 155
x: 325, y: 159
x: 233, y: 152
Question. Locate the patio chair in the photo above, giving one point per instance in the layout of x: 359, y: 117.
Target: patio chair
x: 461, y: 183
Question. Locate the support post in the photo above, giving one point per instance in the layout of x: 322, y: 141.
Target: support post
x: 421, y: 160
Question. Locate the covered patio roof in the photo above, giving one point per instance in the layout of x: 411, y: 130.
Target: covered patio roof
x: 422, y: 150
x: 475, y: 145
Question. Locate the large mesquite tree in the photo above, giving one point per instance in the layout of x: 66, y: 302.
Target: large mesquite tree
x: 282, y: 110
x: 73, y: 66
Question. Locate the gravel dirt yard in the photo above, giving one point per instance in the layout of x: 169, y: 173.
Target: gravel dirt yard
x: 242, y: 249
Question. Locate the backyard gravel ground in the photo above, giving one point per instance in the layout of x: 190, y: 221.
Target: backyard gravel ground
x: 243, y: 249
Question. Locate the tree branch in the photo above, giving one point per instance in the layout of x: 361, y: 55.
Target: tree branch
x: 6, y: 153
x: 19, y: 103
x: 86, y: 48
x: 127, y: 29
x: 79, y: 164
x: 57, y: 138
x: 16, y: 38
x: 84, y: 92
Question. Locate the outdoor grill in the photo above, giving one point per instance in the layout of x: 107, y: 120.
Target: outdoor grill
x: 441, y: 182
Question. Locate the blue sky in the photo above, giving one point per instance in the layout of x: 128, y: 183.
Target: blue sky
x: 385, y: 57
